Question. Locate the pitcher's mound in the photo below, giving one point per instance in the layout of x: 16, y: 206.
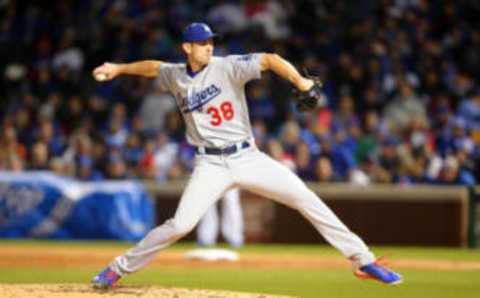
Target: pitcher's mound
x: 86, y: 291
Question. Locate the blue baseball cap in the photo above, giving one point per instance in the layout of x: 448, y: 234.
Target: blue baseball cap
x: 197, y: 32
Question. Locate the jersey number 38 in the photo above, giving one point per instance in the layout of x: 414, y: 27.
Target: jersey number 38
x: 223, y: 113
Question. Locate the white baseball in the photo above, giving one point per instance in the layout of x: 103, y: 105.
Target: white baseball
x: 101, y: 77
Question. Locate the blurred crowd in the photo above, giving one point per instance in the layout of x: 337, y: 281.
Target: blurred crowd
x: 401, y: 76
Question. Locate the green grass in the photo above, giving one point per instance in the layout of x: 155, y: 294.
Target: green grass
x: 338, y: 283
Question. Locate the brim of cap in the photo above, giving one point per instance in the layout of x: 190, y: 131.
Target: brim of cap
x: 213, y: 36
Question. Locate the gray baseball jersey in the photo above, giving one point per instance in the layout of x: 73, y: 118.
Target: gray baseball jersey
x: 212, y: 101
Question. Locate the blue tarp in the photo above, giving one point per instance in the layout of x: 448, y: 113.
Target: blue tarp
x: 43, y: 205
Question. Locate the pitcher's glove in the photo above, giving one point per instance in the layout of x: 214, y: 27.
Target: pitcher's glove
x: 311, y: 99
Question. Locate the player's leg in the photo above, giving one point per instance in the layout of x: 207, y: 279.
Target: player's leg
x: 232, y: 218
x: 208, y: 227
x: 208, y: 182
x: 261, y: 174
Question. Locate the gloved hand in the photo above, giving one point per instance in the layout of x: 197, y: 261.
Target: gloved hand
x: 311, y: 99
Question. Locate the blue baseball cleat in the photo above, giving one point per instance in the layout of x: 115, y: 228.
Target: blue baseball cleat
x: 377, y: 271
x: 106, y: 279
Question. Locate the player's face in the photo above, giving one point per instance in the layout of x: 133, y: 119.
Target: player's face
x: 201, y: 51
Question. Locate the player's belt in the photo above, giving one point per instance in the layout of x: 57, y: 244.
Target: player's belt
x: 223, y: 151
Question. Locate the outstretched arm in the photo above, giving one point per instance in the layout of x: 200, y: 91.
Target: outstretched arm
x: 108, y: 71
x: 286, y: 70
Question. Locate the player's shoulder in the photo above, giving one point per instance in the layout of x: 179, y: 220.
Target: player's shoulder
x: 219, y: 62
x: 230, y: 60
x: 241, y: 57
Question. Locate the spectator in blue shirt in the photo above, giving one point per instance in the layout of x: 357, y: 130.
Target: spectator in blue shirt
x: 341, y: 158
x: 53, y: 139
x: 452, y: 174
x: 86, y: 171
x: 470, y: 110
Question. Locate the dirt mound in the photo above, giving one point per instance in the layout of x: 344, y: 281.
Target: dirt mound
x: 86, y: 291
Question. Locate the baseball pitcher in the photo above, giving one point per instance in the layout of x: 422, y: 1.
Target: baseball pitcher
x: 210, y: 92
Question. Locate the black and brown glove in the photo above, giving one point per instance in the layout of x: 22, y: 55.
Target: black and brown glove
x: 311, y: 99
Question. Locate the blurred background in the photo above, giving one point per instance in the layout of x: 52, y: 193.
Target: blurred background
x: 401, y: 77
